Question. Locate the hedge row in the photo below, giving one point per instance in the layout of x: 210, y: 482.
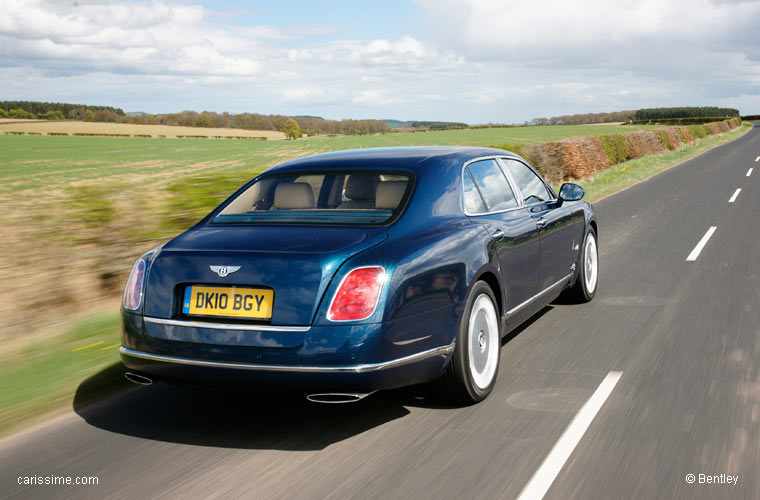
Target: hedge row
x: 677, y: 121
x: 578, y: 157
x: 99, y: 134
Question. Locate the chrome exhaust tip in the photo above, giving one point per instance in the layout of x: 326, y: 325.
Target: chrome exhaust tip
x: 337, y: 397
x: 136, y: 378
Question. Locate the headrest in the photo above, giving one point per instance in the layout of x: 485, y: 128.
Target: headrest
x: 291, y: 195
x: 361, y: 187
x: 389, y: 194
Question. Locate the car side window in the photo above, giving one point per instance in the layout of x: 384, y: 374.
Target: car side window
x: 492, y: 185
x: 473, y: 203
x: 532, y: 187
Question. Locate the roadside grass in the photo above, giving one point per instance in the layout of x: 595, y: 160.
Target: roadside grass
x: 39, y: 378
x: 626, y: 174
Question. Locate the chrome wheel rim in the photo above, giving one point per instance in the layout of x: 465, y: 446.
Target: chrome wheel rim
x: 591, y: 263
x: 483, y: 342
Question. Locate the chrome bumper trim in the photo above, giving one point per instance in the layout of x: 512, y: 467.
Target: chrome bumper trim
x: 370, y: 367
x: 226, y: 326
x: 550, y: 287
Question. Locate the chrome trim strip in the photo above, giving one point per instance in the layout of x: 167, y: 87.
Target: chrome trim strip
x: 226, y: 326
x: 520, y: 306
x: 369, y: 367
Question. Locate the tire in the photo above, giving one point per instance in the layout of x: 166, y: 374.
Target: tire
x: 474, y: 365
x: 586, y: 284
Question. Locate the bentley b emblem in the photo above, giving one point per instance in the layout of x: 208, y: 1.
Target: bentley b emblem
x: 223, y: 271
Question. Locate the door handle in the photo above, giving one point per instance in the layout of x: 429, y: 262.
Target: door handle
x: 498, y: 235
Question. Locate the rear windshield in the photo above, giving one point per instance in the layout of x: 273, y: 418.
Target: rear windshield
x: 320, y: 198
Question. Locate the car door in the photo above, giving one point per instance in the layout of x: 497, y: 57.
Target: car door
x: 490, y: 201
x: 560, y: 225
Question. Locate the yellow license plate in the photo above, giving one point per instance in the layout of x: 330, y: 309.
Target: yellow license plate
x: 227, y: 301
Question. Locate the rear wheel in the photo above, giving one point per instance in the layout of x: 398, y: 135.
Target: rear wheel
x: 588, y: 274
x: 471, y: 374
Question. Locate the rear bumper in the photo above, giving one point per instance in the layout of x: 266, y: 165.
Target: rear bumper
x: 358, y: 358
x: 418, y: 367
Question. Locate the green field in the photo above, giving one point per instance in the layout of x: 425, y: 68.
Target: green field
x: 76, y: 211
x: 28, y: 162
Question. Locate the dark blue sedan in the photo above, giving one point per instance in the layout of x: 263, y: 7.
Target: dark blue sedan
x: 349, y: 272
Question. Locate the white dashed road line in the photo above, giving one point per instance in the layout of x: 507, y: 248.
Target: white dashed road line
x: 544, y: 477
x: 697, y: 249
x: 749, y: 172
x: 736, y: 193
x: 757, y: 159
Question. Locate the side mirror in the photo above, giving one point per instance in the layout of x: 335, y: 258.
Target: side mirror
x: 571, y: 192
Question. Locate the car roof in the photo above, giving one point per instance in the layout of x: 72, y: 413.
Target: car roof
x: 415, y: 158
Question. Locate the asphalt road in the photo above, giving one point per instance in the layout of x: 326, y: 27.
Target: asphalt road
x: 684, y: 334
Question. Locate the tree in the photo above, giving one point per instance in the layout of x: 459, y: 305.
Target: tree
x: 204, y: 120
x: 292, y: 129
x: 53, y: 115
x: 18, y: 113
x: 105, y: 115
x: 78, y: 114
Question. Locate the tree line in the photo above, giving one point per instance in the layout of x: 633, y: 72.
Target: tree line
x: 53, y: 110
x: 585, y: 118
x: 685, y: 112
x: 309, y: 125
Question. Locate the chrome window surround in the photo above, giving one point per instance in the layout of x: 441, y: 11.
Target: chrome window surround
x: 515, y: 188
x: 362, y: 368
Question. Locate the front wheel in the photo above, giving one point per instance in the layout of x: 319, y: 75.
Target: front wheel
x: 471, y: 374
x: 588, y: 274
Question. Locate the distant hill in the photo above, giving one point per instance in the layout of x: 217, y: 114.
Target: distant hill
x: 424, y: 124
x: 397, y: 124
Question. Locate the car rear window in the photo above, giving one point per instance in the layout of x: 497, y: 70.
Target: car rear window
x: 357, y: 198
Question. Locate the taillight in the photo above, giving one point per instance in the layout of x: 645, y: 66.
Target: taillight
x: 357, y: 294
x: 134, y: 290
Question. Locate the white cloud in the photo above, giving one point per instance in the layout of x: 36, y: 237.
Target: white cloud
x: 477, y: 61
x: 302, y: 94
x: 665, y: 35
x: 122, y: 37
x: 371, y: 97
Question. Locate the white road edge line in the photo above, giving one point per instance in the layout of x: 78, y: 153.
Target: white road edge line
x: 749, y: 172
x: 697, y: 249
x: 546, y: 474
x: 736, y: 193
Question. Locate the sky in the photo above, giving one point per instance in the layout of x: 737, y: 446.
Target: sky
x: 475, y: 61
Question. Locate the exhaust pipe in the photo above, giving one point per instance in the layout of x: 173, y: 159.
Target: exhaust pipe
x: 136, y: 378
x: 337, y: 397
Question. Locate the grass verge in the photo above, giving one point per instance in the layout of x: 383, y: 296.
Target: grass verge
x: 40, y: 378
x: 626, y: 174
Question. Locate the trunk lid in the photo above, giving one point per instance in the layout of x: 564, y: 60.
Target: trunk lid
x: 297, y: 262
